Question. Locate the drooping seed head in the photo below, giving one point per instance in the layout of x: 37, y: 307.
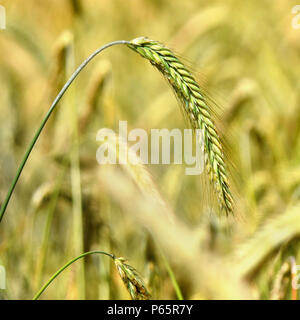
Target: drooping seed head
x: 132, y: 280
x: 195, y: 106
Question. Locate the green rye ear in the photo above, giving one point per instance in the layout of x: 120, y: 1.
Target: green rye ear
x: 197, y: 109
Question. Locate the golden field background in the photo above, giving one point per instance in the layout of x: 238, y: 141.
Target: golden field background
x: 247, y: 57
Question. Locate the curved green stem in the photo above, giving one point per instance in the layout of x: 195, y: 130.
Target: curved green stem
x: 44, y: 287
x: 172, y: 276
x: 36, y: 136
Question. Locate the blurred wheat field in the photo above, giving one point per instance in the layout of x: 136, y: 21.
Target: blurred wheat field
x: 246, y: 56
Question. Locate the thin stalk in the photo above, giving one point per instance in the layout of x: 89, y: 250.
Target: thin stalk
x: 78, y: 241
x: 47, y: 230
x: 57, y: 273
x: 48, y: 114
x: 172, y: 276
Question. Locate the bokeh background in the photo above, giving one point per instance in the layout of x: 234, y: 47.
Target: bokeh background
x: 246, y: 56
